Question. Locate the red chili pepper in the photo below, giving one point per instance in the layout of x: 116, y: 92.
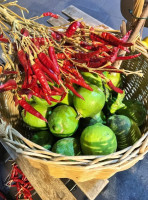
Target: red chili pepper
x: 50, y: 14
x: 29, y: 73
x: 40, y: 76
x: 27, y: 194
x: 47, y: 97
x: 73, y: 71
x: 57, y: 35
x: 24, y: 32
x: 128, y: 57
x: 87, y: 56
x: 23, y: 60
x: 86, y: 45
x: 126, y: 36
x: 52, y: 55
x: 32, y: 83
x: 49, y: 72
x: 60, y: 89
x: 95, y: 37
x: 123, y: 48
x: 115, y: 54
x: 81, y: 83
x: 63, y: 96
x: 48, y: 79
x: 31, y: 110
x: 114, y: 40
x: 1, y: 35
x: 118, y: 90
x: 70, y: 87
x: 61, y: 56
x: 17, y: 180
x: 7, y: 72
x: 72, y: 28
x: 37, y: 91
x: 9, y: 85
x: 17, y: 169
x: 46, y: 61
x: 5, y: 40
x: 99, y: 62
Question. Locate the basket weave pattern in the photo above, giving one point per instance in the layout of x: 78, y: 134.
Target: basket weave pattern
x: 79, y: 168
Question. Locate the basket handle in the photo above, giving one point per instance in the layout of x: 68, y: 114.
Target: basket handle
x: 140, y: 23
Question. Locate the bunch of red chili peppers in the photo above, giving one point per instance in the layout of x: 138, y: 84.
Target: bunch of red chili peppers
x: 20, y: 182
x: 52, y: 64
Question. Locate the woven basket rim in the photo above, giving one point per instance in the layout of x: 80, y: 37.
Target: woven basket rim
x: 22, y: 145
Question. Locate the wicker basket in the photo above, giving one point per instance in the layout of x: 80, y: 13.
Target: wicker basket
x: 78, y: 168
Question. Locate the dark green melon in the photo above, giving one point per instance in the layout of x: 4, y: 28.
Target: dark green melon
x: 125, y: 129
x: 134, y: 110
x: 67, y: 146
x: 43, y: 138
x: 98, y: 139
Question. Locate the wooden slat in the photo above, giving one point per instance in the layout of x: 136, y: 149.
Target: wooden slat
x: 57, y: 22
x: 92, y: 188
x: 47, y: 187
x: 75, y: 13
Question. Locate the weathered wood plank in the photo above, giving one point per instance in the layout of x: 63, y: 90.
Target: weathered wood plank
x: 47, y: 187
x: 75, y: 13
x: 57, y: 22
x: 92, y: 188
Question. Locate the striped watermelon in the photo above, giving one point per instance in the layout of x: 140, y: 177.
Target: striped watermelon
x: 126, y: 130
x: 98, y: 139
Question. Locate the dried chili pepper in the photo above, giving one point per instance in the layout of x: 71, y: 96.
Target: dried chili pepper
x: 86, y: 45
x: 5, y: 40
x: 7, y: 72
x: 45, y: 60
x: 49, y: 72
x: 126, y: 36
x: 18, y: 180
x: 113, y: 40
x: 9, y: 85
x: 23, y: 61
x: 47, y: 14
x: 128, y: 57
x: 40, y: 76
x: 110, y: 84
x: 115, y: 54
x: 81, y: 83
x: 48, y: 79
x: 57, y: 35
x: 62, y: 56
x: 70, y: 87
x: 46, y: 96
x: 52, y: 55
x: 87, y: 56
x: 30, y: 109
x: 95, y: 37
x: 24, y: 32
x: 72, y: 28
